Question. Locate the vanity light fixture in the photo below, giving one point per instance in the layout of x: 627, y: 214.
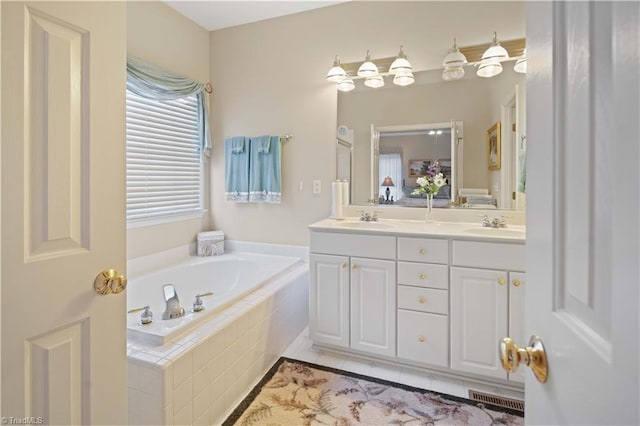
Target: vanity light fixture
x: 490, y: 65
x: 374, y: 82
x: 521, y: 64
x: 489, y: 69
x: 346, y: 84
x: 453, y: 64
x: 368, y: 68
x: 401, y: 64
x: 336, y: 74
x: 403, y: 78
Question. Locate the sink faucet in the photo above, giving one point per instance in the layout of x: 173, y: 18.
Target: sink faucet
x: 173, y: 309
x: 500, y: 222
x: 368, y: 217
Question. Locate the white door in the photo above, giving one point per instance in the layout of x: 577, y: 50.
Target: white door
x: 373, y: 306
x: 63, y: 210
x: 582, y: 210
x: 329, y: 299
x: 478, y: 318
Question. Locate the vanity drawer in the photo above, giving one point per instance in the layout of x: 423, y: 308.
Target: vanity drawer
x: 373, y: 246
x: 423, y: 275
x: 485, y: 255
x: 423, y: 250
x: 423, y: 299
x: 423, y: 338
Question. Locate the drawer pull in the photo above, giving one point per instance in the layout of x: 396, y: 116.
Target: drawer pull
x: 501, y: 281
x: 421, y: 250
x: 344, y: 265
x: 422, y: 276
x: 421, y: 339
x: 421, y: 300
x: 516, y: 283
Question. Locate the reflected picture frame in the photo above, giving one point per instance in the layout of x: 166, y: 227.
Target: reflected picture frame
x: 418, y: 168
x: 494, y: 146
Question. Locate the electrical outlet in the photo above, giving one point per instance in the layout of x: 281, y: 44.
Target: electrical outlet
x: 317, y: 187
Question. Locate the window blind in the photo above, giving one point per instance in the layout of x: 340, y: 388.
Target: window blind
x: 164, y: 170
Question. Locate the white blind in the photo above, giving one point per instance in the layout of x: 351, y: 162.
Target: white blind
x: 164, y: 171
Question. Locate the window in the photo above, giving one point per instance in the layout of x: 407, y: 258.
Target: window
x: 164, y: 168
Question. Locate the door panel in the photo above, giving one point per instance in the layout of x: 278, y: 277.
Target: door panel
x: 373, y: 306
x: 63, y: 203
x: 582, y: 210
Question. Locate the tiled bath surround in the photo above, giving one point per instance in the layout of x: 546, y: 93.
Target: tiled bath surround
x: 199, y: 377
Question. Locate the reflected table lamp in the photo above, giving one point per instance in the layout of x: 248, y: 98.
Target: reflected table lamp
x: 387, y: 182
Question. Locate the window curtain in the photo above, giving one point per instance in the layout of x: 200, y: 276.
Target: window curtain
x: 391, y: 165
x: 152, y: 82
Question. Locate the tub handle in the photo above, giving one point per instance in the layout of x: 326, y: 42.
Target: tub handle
x: 198, y: 306
x: 146, y: 317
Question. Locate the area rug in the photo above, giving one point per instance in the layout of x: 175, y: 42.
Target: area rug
x: 300, y: 393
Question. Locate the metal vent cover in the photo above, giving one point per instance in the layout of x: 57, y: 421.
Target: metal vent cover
x: 500, y: 401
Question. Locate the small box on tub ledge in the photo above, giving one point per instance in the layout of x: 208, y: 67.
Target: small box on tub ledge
x: 210, y: 243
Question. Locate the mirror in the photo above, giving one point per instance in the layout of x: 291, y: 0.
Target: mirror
x: 405, y: 115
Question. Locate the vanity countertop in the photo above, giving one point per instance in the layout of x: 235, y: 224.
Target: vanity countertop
x: 462, y: 230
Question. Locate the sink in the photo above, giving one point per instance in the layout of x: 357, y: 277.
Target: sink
x: 498, y: 232
x: 366, y: 225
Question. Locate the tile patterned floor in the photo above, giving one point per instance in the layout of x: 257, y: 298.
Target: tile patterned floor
x: 302, y: 349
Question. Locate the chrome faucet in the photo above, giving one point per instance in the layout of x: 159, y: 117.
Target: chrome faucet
x: 173, y: 309
x: 500, y: 222
x: 368, y: 217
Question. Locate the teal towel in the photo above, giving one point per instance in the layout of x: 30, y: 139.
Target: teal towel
x: 265, y: 172
x: 236, y: 164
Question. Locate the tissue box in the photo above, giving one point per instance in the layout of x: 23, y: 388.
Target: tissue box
x: 210, y: 243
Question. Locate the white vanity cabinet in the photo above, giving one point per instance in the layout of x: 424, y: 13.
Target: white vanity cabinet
x: 353, y: 292
x: 485, y: 305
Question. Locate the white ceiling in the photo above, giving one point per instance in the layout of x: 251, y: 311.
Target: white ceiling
x: 214, y: 14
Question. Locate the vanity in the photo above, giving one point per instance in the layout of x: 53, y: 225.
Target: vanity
x: 438, y: 296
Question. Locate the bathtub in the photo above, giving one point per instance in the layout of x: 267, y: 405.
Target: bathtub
x: 229, y: 277
x: 209, y: 361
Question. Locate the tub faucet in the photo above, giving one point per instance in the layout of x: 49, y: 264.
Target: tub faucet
x: 174, y: 309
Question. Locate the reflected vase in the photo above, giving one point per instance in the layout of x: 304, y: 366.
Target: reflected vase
x: 429, y: 208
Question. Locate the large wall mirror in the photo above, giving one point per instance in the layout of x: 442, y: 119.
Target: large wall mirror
x: 399, y: 132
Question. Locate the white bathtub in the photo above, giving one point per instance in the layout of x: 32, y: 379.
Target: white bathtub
x: 229, y: 277
x: 204, y: 370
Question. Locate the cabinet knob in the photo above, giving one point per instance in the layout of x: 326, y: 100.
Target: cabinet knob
x: 421, y: 250
x: 421, y: 300
x: 422, y: 276
x: 501, y: 281
x: 516, y: 283
x: 353, y: 266
x: 421, y: 339
x: 344, y: 265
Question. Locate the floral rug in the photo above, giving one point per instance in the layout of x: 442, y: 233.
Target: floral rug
x: 299, y: 393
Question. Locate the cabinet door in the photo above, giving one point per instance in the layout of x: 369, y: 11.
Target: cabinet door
x: 516, y: 316
x: 373, y: 306
x: 478, y: 320
x: 329, y: 300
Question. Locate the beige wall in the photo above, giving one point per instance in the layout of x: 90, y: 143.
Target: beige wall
x: 269, y: 78
x: 161, y: 36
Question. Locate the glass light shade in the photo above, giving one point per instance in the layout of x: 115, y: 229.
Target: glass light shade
x: 489, y: 68
x: 521, y: 65
x: 455, y: 58
x: 336, y: 73
x: 346, y: 85
x: 387, y: 181
x: 403, y: 78
x: 400, y: 64
x: 368, y: 68
x: 454, y: 73
x: 374, y: 82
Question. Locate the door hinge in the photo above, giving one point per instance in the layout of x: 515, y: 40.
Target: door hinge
x: 513, y: 195
x: 513, y: 127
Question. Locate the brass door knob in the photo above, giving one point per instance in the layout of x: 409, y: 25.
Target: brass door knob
x: 109, y: 281
x: 534, y: 355
x: 516, y: 283
x: 421, y: 300
x: 422, y: 276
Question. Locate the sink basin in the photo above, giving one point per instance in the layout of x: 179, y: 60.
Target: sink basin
x: 366, y: 225
x: 497, y: 232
